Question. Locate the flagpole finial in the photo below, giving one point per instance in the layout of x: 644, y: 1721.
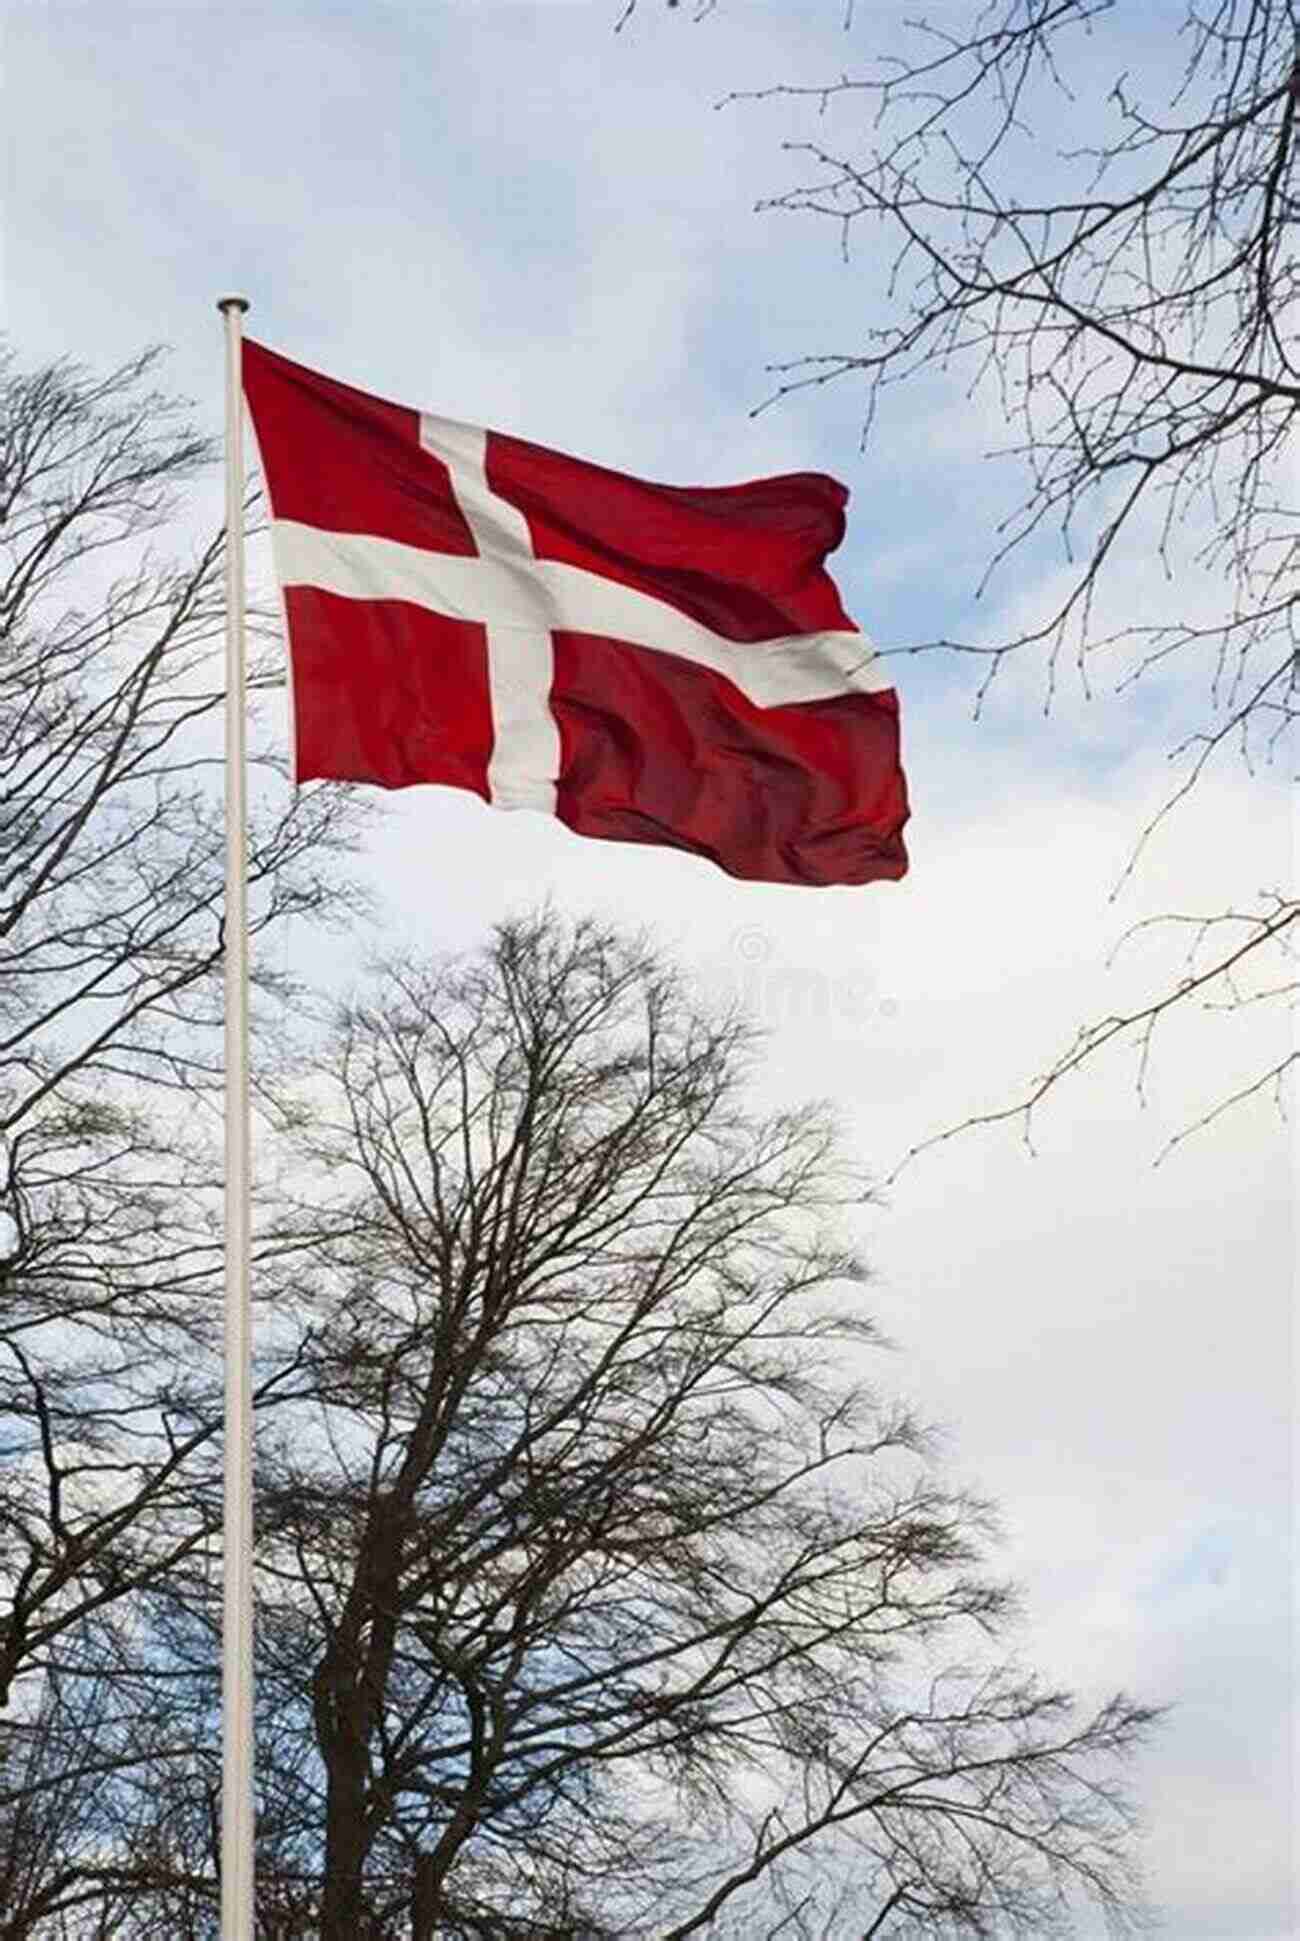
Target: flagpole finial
x: 231, y: 303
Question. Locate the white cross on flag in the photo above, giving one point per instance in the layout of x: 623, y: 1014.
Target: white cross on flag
x: 649, y: 663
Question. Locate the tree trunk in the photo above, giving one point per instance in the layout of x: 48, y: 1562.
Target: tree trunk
x: 341, y: 1732
x: 424, y: 1900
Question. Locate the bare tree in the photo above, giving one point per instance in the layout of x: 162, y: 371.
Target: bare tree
x: 599, y: 1594
x: 88, y: 1772
x: 111, y: 871
x: 49, y: 1771
x: 1129, y: 305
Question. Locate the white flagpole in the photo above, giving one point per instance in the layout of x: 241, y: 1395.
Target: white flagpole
x: 237, y: 1541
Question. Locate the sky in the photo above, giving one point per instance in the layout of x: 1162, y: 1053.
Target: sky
x: 508, y: 213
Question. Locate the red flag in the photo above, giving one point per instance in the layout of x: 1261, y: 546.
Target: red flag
x: 649, y: 663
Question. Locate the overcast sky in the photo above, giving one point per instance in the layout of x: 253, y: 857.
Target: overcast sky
x: 508, y: 214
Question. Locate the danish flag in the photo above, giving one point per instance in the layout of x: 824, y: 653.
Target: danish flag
x: 649, y: 663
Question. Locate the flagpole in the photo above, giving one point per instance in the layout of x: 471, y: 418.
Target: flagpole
x: 237, y: 1540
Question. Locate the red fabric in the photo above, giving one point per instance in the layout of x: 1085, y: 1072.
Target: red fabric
x: 653, y: 747
x: 746, y: 560
x: 342, y: 460
x: 387, y: 692
x: 657, y: 750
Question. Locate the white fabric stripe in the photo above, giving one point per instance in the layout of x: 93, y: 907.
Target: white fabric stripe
x: 525, y: 761
x: 499, y: 528
x: 540, y: 596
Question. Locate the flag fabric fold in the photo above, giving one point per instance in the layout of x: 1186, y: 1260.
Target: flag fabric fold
x: 649, y: 663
